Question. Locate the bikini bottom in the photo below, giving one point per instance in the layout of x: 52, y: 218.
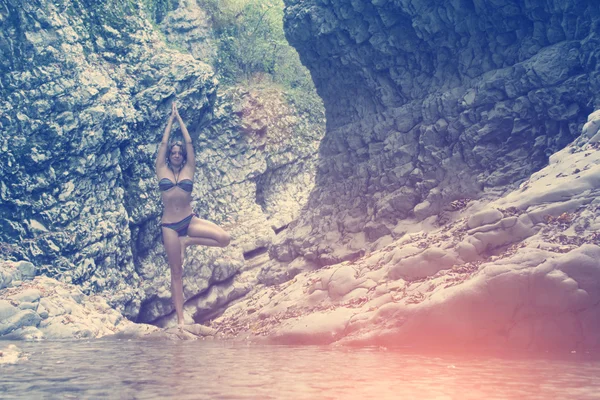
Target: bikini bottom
x: 180, y: 227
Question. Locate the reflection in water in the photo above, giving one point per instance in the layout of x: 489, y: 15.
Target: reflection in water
x: 142, y: 369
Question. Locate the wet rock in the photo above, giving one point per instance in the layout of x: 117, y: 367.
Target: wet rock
x: 45, y: 308
x: 11, y: 354
x: 18, y: 320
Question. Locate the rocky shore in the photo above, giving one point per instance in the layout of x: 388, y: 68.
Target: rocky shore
x: 518, y: 271
x: 452, y: 199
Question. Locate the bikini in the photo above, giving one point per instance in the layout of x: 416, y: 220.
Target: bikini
x: 166, y: 184
x: 181, y: 227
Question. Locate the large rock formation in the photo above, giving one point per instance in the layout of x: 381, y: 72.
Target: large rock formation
x: 428, y: 102
x: 33, y: 308
x: 84, y: 95
x: 85, y: 91
x: 519, y: 272
x: 428, y: 218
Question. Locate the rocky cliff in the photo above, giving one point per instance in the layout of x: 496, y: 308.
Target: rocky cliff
x: 456, y: 191
x: 430, y: 102
x: 517, y: 272
x: 85, y: 93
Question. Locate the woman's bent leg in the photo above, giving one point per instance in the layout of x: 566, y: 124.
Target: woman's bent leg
x: 173, y: 249
x: 206, y: 233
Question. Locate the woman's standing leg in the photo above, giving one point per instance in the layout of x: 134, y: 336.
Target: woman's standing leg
x: 173, y: 249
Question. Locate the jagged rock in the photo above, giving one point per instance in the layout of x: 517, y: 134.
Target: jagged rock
x: 531, y: 280
x: 189, y: 26
x: 90, y: 95
x: 430, y: 103
x: 44, y: 308
x: 86, y: 91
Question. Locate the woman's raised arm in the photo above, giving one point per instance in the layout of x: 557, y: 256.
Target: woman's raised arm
x: 189, y: 148
x: 161, y: 157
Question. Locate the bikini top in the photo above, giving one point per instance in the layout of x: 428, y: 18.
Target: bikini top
x: 185, y: 184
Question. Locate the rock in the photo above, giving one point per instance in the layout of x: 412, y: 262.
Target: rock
x: 11, y: 354
x: 376, y: 230
x: 188, y: 25
x: 48, y: 309
x: 463, y: 114
x: 18, y: 320
x: 521, y: 271
x: 318, y: 328
x: 80, y: 201
x: 200, y: 330
x: 28, y: 333
x: 13, y: 273
x: 27, y: 270
x: 422, y: 265
x: 484, y: 217
x: 28, y: 295
x: 7, y: 310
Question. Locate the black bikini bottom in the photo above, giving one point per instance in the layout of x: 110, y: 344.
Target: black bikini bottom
x: 180, y: 227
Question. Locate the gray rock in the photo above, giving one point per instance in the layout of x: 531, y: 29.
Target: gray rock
x: 7, y: 310
x: 79, y: 198
x: 18, y: 320
x: 28, y: 295
x: 470, y: 110
x: 27, y: 270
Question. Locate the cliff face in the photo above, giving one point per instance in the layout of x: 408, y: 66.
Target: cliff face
x: 85, y: 92
x: 428, y: 102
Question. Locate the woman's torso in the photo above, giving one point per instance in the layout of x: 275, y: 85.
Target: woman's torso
x: 176, y: 200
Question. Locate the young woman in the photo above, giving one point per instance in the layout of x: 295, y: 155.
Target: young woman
x: 175, y: 167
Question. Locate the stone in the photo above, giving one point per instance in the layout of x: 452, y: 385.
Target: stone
x: 28, y: 295
x: 467, y: 115
x: 27, y: 269
x: 7, y: 310
x: 422, y: 265
x: 18, y: 320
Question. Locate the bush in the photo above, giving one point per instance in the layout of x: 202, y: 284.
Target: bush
x: 251, y: 43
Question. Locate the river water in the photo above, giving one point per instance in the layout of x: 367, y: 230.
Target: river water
x: 146, y: 369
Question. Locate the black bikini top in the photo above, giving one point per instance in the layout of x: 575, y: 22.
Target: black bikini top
x: 166, y: 184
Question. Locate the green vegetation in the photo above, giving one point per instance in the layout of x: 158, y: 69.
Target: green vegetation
x: 251, y: 43
x: 158, y: 9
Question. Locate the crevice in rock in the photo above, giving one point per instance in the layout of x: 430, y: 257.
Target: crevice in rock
x: 255, y: 253
x: 202, y: 317
x: 261, y: 184
x: 280, y: 229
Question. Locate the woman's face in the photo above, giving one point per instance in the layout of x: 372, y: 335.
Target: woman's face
x: 176, y: 156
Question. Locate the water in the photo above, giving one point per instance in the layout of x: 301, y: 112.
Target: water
x: 144, y: 369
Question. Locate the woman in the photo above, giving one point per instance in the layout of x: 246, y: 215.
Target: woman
x: 175, y: 167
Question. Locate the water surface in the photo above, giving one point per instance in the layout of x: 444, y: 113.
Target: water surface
x: 144, y: 369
